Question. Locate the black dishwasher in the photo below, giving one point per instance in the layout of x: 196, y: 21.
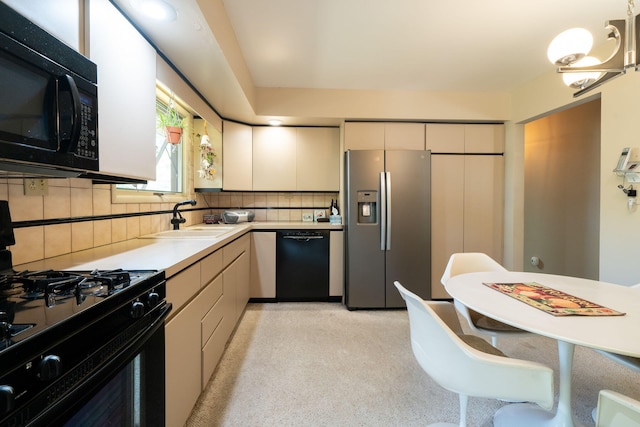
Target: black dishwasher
x: 302, y: 265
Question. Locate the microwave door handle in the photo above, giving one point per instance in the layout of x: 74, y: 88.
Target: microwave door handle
x: 69, y: 114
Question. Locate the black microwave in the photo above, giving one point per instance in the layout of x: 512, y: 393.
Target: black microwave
x: 48, y: 102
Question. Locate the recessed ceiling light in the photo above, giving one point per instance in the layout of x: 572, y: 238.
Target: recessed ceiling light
x: 158, y: 10
x: 275, y: 122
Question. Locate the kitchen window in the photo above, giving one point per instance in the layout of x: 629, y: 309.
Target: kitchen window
x: 171, y: 183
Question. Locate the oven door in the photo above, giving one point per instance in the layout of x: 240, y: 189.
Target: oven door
x: 127, y: 390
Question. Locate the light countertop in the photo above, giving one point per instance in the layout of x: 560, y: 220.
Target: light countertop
x: 169, y: 254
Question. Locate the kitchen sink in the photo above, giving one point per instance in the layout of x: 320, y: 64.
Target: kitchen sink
x: 193, y: 232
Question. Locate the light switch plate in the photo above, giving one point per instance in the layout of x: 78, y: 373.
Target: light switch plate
x: 307, y: 217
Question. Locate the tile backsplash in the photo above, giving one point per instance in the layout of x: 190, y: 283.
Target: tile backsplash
x: 77, y: 214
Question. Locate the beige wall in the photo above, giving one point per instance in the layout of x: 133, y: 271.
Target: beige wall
x: 618, y: 258
x: 562, y: 192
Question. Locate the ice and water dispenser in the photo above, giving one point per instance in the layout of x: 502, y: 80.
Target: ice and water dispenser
x: 367, y: 207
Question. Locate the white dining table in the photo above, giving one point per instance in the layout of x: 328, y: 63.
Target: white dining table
x: 616, y: 334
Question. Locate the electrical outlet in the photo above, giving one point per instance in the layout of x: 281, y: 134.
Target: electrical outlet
x: 307, y: 217
x: 36, y: 187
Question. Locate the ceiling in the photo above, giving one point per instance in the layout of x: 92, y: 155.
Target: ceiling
x: 230, y: 49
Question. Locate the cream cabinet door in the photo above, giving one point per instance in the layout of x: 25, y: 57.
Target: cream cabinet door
x: 237, y: 157
x: 60, y: 18
x: 364, y: 136
x: 182, y: 366
x: 318, y: 159
x: 127, y: 87
x: 263, y: 265
x: 404, y: 136
x: 483, y: 139
x: 274, y: 159
x: 445, y: 138
x: 336, y: 263
x: 484, y: 205
x: 447, y: 215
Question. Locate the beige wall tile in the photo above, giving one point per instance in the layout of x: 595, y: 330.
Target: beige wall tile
x: 224, y: 200
x: 57, y: 204
x: 272, y: 200
x: 57, y: 239
x: 101, y: 201
x: 248, y: 200
x: 81, y: 202
x: 102, y: 232
x: 284, y: 200
x: 236, y: 200
x: 29, y: 245
x: 81, y: 235
x: 260, y: 200
x: 24, y: 208
x: 145, y: 225
x: 272, y: 215
x: 260, y: 215
x: 118, y: 229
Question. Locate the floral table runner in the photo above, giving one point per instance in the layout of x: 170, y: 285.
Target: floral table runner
x: 551, y: 300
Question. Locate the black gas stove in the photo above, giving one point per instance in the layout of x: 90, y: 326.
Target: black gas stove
x: 80, y: 347
x: 33, y: 301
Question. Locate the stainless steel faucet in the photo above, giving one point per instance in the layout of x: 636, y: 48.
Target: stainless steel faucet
x: 177, y: 216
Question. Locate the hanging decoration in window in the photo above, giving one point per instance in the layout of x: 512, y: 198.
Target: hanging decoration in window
x: 172, y: 122
x: 207, y: 157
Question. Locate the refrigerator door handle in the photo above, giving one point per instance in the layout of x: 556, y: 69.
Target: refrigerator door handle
x: 388, y: 203
x: 383, y: 211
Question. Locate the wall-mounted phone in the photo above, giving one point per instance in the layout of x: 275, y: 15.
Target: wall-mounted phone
x: 629, y: 160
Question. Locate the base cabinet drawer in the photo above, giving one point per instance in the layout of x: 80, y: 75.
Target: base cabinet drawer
x: 212, y: 350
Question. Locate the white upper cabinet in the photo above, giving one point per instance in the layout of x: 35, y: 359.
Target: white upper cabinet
x: 384, y: 136
x: 61, y: 18
x: 126, y: 93
x: 281, y: 158
x: 237, y: 157
x: 465, y: 138
x: 364, y: 136
x: 318, y: 159
x: 274, y: 159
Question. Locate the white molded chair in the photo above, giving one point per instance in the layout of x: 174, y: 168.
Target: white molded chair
x: 467, y: 364
x: 617, y: 410
x: 472, y: 262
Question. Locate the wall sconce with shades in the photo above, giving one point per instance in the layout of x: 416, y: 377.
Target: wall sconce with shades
x: 569, y: 51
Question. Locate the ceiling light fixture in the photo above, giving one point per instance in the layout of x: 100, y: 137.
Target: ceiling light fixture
x: 275, y: 122
x: 569, y: 51
x: 158, y: 10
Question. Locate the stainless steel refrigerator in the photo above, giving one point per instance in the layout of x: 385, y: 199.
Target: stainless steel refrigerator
x: 388, y: 226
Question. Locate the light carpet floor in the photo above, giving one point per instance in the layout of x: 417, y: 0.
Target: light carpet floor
x: 318, y: 364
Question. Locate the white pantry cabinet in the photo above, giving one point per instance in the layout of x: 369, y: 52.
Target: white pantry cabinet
x: 126, y: 93
x: 467, y: 194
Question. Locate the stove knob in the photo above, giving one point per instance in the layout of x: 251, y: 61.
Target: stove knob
x: 153, y: 299
x: 7, y: 399
x: 137, y: 309
x: 50, y: 368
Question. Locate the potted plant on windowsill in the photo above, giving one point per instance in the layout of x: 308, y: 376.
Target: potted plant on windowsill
x: 172, y: 123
